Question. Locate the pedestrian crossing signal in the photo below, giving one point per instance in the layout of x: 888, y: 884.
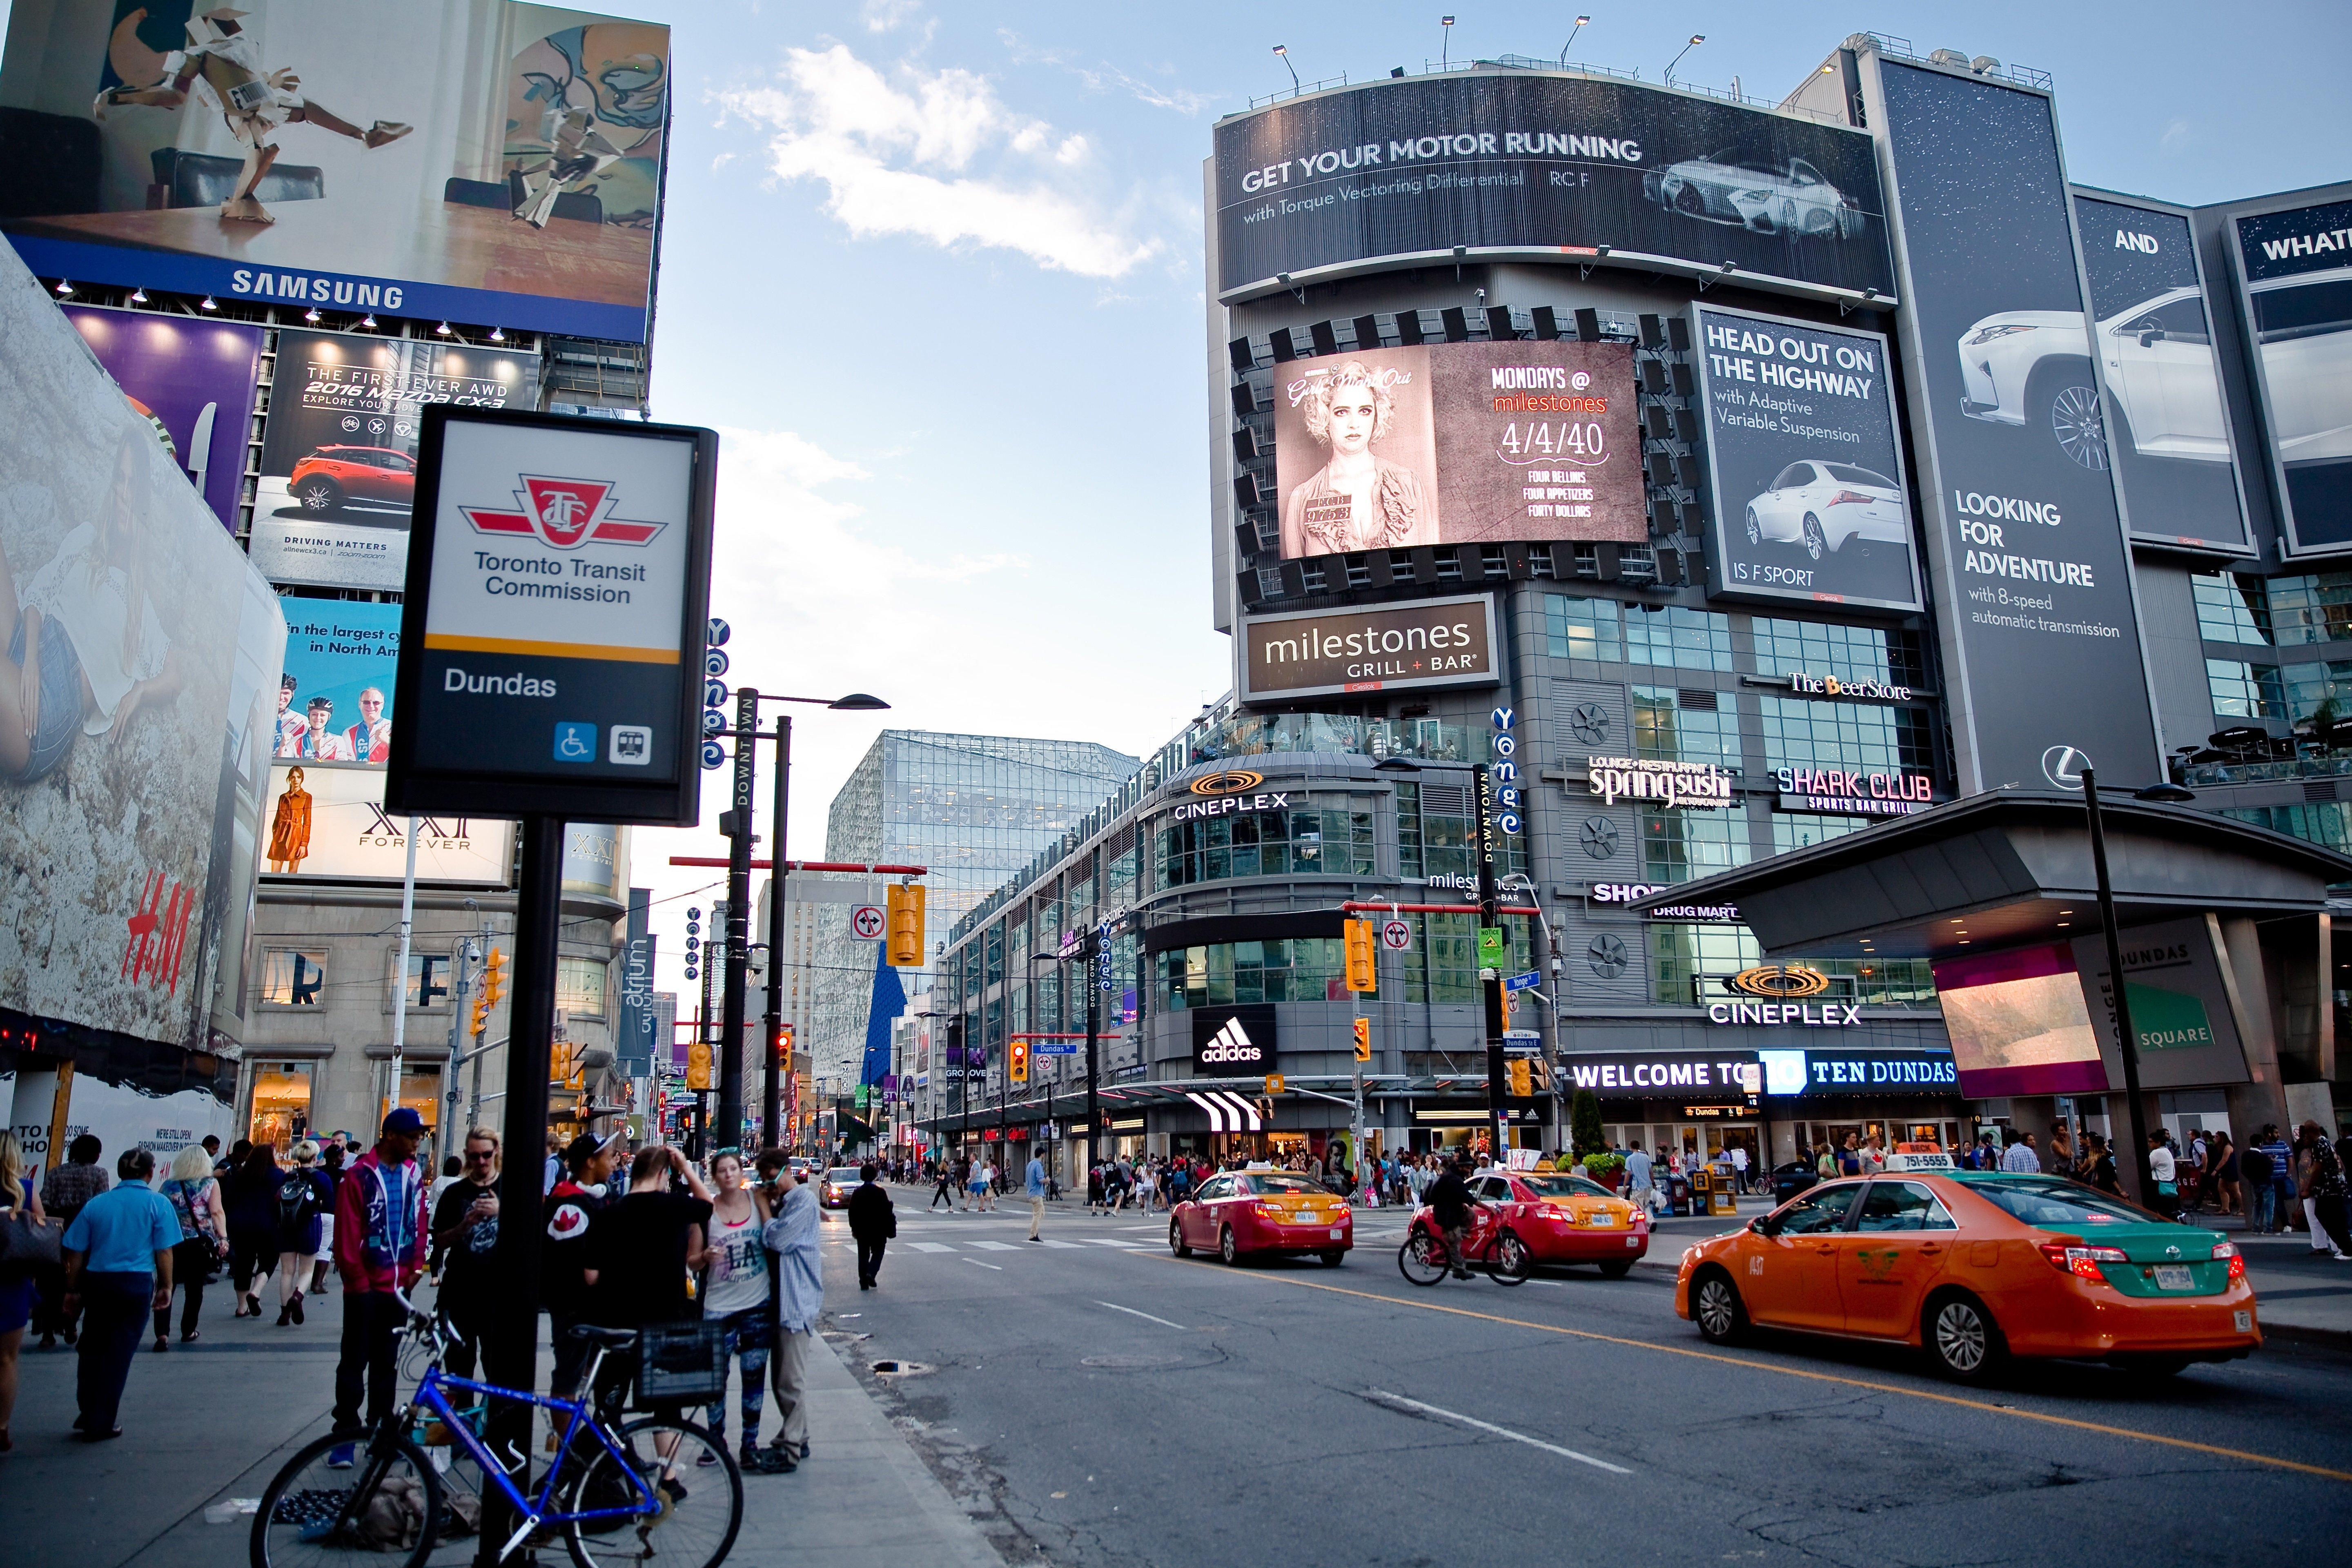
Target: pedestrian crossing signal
x: 1016, y: 1061
x: 1362, y: 974
x: 1363, y: 1040
x: 906, y: 927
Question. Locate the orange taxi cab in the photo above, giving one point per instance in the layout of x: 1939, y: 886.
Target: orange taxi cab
x: 1561, y: 1217
x: 1235, y: 1212
x: 1974, y: 1268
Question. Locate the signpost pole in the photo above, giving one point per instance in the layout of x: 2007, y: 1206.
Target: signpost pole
x: 400, y: 972
x: 1490, y: 977
x: 511, y: 1338
x: 1093, y: 1032
x: 779, y: 881
x: 2126, y: 1038
x: 737, y: 828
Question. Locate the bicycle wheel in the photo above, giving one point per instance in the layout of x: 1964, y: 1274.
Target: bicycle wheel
x: 1508, y: 1261
x: 1422, y: 1260
x: 390, y: 1502
x: 692, y: 1471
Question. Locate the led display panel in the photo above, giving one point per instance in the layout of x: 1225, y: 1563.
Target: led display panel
x: 2019, y: 1025
x: 2296, y: 268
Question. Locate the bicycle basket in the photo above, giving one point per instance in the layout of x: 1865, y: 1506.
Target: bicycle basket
x: 680, y: 1364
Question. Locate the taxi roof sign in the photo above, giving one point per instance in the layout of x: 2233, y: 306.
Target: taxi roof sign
x: 1918, y: 1157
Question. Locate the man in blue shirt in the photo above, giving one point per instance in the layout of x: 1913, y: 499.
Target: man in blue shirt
x: 117, y: 1268
x: 1036, y: 1183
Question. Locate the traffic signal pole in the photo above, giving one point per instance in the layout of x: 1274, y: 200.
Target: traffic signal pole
x: 737, y: 826
x: 771, y: 1123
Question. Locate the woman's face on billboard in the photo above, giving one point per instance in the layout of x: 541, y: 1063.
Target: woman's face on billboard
x: 1353, y: 415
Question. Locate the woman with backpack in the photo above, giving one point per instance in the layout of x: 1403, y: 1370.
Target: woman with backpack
x: 250, y: 1192
x: 195, y: 1198
x: 305, y: 1195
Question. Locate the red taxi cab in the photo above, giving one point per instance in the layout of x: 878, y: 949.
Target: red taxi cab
x: 1974, y: 1268
x: 1559, y: 1217
x: 1259, y: 1211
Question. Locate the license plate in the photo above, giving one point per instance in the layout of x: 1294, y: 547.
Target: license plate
x: 1633, y: 1241
x: 1304, y: 1217
x: 2175, y: 1277
x: 2242, y: 1320
x: 1604, y: 1219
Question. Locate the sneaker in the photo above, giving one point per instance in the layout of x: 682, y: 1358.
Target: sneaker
x: 804, y: 1451
x: 708, y: 1457
x: 341, y: 1456
x: 297, y: 1305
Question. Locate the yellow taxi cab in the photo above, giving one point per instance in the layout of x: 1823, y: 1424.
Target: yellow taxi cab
x: 1975, y: 1267
x: 1261, y: 1209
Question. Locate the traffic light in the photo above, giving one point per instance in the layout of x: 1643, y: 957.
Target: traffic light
x: 698, y: 1064
x: 494, y: 977
x: 1272, y: 1084
x: 906, y: 900
x: 1362, y: 974
x: 559, y: 1061
x: 1521, y: 1077
x: 481, y: 1015
x: 1016, y: 1061
x: 784, y: 1049
x: 1363, y: 1040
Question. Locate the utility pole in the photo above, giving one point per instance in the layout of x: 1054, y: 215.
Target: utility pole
x: 736, y: 823
x: 779, y: 882
x: 2126, y: 1038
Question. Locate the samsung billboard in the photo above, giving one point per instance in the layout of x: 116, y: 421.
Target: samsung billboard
x: 1526, y: 165
x: 2295, y: 267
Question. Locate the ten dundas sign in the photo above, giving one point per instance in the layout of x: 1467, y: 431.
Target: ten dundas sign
x: 1430, y: 642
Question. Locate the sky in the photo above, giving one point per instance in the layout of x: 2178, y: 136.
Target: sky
x: 934, y: 270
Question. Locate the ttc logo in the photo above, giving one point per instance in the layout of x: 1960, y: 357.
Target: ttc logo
x: 565, y: 513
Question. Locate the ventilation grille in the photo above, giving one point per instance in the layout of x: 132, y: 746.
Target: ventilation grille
x: 1691, y: 699
x: 1445, y: 800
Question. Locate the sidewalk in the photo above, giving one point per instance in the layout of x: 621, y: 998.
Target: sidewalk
x: 214, y: 1420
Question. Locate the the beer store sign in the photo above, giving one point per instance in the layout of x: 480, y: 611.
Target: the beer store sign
x: 1697, y: 785
x: 1843, y: 686
x: 1854, y: 792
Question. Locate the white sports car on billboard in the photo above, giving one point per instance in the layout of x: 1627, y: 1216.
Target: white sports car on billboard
x: 2303, y: 325
x: 1770, y: 198
x: 2032, y: 368
x: 1822, y: 505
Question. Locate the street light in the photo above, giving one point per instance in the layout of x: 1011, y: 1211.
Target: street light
x: 1284, y: 51
x: 1580, y: 23
x: 1696, y: 40
x: 735, y: 823
x: 1446, y: 42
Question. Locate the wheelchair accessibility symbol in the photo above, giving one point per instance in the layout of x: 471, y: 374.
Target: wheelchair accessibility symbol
x: 575, y: 743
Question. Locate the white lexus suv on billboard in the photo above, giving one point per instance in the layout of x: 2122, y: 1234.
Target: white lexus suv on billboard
x: 1770, y: 198
x: 2032, y: 369
x: 1822, y: 505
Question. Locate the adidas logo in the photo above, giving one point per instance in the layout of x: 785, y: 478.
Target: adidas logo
x: 1232, y: 1044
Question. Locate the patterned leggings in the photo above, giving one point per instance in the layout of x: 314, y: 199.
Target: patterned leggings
x: 749, y: 1334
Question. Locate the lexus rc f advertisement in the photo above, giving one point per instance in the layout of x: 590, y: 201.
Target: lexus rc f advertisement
x: 1809, y: 502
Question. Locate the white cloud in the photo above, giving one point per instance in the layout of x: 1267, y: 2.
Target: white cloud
x: 1104, y: 77
x: 2177, y: 135
x: 883, y: 15
x: 937, y: 155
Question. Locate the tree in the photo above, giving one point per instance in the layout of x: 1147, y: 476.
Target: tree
x: 1584, y: 1125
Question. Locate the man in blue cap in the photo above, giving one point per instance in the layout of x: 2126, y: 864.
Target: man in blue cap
x: 380, y: 1244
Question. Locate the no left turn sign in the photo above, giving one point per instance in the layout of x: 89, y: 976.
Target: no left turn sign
x: 866, y: 921
x: 1396, y: 935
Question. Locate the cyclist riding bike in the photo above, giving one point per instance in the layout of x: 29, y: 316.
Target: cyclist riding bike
x: 1449, y: 1202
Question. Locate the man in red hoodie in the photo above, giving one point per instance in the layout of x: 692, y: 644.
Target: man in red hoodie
x: 381, y: 1237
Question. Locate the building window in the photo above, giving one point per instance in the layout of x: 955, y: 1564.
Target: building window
x: 2328, y: 825
x: 1689, y: 962
x: 2303, y: 610
x: 1120, y: 870
x: 1305, y: 842
x: 428, y: 989
x: 1294, y: 969
x: 1679, y: 844
x: 293, y: 977
x: 1680, y: 638
x: 2231, y: 608
x: 1584, y: 628
x: 1855, y: 653
x: 993, y: 947
x: 1676, y: 726
x: 580, y: 987
x: 2322, y: 693
x: 1803, y: 829
x: 1799, y: 733
x: 2243, y: 690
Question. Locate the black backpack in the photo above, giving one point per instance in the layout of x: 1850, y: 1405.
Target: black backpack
x: 2254, y: 1165
x: 298, y: 1204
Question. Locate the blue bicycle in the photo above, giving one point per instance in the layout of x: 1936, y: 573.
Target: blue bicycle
x: 618, y: 1492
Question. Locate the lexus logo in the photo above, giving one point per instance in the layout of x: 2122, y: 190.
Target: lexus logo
x: 1233, y: 1044
x: 2063, y: 765
x: 1781, y: 982
x: 1237, y: 781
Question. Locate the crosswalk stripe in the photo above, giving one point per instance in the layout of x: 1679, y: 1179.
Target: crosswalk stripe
x: 1065, y: 1245
x: 1106, y: 1241
x: 993, y: 1246
x: 930, y: 1246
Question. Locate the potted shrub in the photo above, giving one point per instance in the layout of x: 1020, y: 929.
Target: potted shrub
x: 1609, y: 1170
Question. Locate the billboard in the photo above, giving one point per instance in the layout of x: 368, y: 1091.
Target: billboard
x: 327, y: 822
x: 2296, y: 268
x: 195, y: 379
x: 133, y: 703
x: 1394, y: 647
x: 339, y: 462
x: 476, y: 160
x: 1458, y: 444
x: 2024, y: 536
x: 1523, y: 164
x: 1806, y: 469
x: 334, y: 701
x: 2167, y: 427
x: 2018, y: 1024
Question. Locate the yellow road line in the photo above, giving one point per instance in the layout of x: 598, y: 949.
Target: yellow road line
x: 2045, y: 1420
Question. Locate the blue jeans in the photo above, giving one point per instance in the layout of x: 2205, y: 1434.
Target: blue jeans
x: 61, y: 710
x: 750, y: 1334
x: 2262, y: 1207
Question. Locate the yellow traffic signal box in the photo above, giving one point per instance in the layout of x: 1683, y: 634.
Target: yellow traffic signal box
x: 1016, y: 1061
x: 1363, y: 1040
x: 906, y: 911
x: 1362, y: 974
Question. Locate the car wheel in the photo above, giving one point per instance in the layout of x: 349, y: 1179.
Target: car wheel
x: 1226, y: 1247
x: 1962, y: 1338
x: 2077, y: 423
x: 320, y: 496
x: 1817, y: 544
x: 1176, y: 1242
x: 1616, y: 1269
x: 1333, y: 1260
x: 1820, y: 220
x: 1687, y: 200
x: 1715, y: 1308
x: 1755, y: 528
x: 1512, y: 1261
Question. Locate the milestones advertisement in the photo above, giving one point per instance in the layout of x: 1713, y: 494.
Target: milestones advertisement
x: 1544, y: 165
x: 2168, y: 431
x: 1458, y: 444
x: 1426, y: 643
x: 2025, y: 531
x: 1809, y: 503
x: 2297, y: 272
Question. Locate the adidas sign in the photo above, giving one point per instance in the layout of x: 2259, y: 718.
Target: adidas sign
x: 1231, y: 1044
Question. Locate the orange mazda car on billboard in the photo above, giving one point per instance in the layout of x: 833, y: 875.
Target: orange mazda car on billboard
x: 1975, y: 1268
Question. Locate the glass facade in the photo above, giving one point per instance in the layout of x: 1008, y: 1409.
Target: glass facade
x: 1680, y: 844
x: 1679, y: 726
x: 1689, y: 963
x: 1798, y: 733
x: 1849, y: 653
x: 2243, y: 690
x: 2231, y: 608
x: 1612, y: 633
x: 1297, y: 842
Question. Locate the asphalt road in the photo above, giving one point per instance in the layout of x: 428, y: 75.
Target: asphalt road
x: 1109, y: 1404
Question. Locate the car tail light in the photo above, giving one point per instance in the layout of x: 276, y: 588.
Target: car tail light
x: 2069, y: 1258
x: 1271, y: 1211
x: 2237, y: 1259
x: 1851, y: 498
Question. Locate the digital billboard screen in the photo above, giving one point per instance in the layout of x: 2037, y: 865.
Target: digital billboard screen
x: 2019, y: 1025
x: 1549, y: 165
x: 476, y: 160
x: 2168, y: 429
x: 1809, y: 502
x: 195, y: 380
x: 2296, y: 270
x: 1458, y: 444
x: 2023, y: 530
